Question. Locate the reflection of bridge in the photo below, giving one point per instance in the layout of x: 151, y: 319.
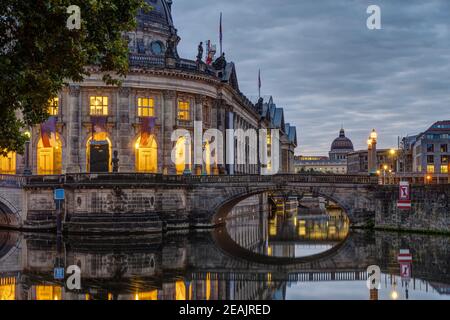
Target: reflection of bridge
x: 184, y: 200
x: 120, y: 264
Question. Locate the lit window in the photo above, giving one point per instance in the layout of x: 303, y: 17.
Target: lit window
x: 184, y: 110
x: 430, y: 168
x: 8, y: 163
x: 53, y: 107
x: 146, y: 107
x: 444, y: 168
x: 99, y: 106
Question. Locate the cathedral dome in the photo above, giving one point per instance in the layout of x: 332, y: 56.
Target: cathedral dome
x: 342, y: 142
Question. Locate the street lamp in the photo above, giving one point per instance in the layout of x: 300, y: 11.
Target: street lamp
x: 27, y: 170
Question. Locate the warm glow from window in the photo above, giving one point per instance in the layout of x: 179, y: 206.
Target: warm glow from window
x: 8, y: 163
x: 430, y: 168
x: 98, y: 106
x: 7, y: 288
x: 147, y: 155
x: 183, y: 155
x: 53, y: 107
x: 184, y: 110
x: 49, y: 159
x: 146, y: 107
x: 150, y: 295
x: 180, y: 291
x: 48, y: 293
x: 444, y: 169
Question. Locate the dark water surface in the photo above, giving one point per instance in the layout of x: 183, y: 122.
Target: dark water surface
x: 287, y: 256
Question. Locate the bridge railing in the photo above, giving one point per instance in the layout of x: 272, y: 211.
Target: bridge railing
x: 12, y: 181
x: 143, y: 178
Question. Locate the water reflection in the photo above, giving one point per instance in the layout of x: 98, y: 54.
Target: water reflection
x: 192, y: 266
x: 288, y: 232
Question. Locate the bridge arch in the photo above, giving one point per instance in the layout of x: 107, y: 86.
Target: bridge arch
x: 343, y: 198
x: 9, y: 214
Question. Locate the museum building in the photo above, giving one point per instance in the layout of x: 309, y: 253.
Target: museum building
x: 94, y: 127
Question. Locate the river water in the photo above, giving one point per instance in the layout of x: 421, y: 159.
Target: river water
x: 257, y: 255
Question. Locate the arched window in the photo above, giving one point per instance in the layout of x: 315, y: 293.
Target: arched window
x: 207, y: 163
x: 147, y: 154
x: 49, y: 156
x: 8, y: 163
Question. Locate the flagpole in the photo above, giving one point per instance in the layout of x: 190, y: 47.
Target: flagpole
x: 259, y: 84
x: 221, y: 34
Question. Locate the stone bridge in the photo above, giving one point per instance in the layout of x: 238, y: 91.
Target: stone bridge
x: 152, y: 203
x: 166, y: 201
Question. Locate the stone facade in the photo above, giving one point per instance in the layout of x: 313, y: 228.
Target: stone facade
x: 430, y: 209
x: 211, y: 93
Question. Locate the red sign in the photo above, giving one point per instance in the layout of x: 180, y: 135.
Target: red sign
x: 405, y: 261
x: 404, y: 197
x: 405, y: 271
x: 405, y: 256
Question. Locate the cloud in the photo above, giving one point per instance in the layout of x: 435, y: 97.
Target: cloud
x: 325, y: 68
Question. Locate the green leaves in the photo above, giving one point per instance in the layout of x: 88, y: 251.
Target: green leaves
x: 46, y: 54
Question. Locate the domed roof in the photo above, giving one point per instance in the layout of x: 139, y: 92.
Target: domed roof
x: 161, y: 14
x: 342, y: 142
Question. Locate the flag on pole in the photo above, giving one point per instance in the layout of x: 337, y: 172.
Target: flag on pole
x: 48, y: 131
x: 211, y: 52
x: 99, y: 125
x: 259, y: 83
x: 147, y: 129
x: 221, y: 35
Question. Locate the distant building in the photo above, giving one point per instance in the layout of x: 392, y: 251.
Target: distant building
x: 430, y: 151
x: 358, y: 162
x: 336, y: 162
x: 341, y: 147
x: 305, y: 164
x: 405, y: 159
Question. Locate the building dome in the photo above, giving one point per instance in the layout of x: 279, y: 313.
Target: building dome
x: 155, y: 37
x: 160, y: 15
x: 342, y: 142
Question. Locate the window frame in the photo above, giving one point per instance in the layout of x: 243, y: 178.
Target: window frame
x: 51, y: 108
x: 184, y: 111
x: 101, y: 107
x: 150, y: 108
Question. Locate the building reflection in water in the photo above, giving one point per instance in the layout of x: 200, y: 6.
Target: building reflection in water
x: 191, y: 266
x: 288, y: 233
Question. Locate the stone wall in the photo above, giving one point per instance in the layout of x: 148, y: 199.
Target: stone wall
x: 430, y: 210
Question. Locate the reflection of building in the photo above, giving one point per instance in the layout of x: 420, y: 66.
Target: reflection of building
x: 336, y: 163
x: 90, y: 121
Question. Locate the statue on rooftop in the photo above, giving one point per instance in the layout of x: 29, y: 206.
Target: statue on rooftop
x: 200, y: 52
x: 220, y: 62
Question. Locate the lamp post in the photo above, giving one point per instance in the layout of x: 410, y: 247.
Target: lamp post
x: 27, y: 170
x: 372, y: 152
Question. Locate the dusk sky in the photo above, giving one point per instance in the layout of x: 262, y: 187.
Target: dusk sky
x: 325, y: 68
